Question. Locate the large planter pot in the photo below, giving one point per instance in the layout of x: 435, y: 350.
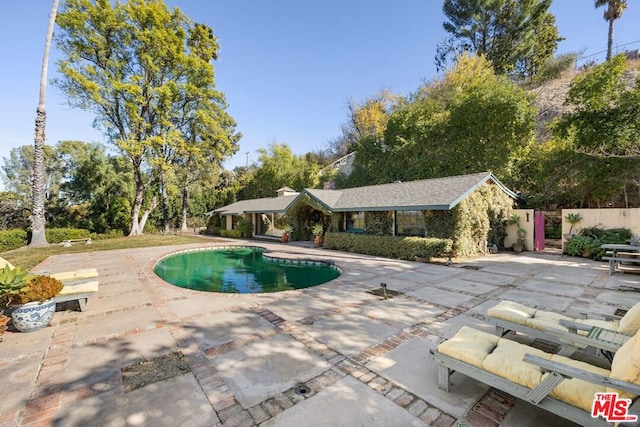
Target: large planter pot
x: 318, y: 241
x: 33, y: 316
x: 3, y: 324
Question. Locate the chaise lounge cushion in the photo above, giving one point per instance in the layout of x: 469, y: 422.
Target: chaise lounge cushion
x: 75, y: 275
x: 81, y: 288
x: 630, y: 322
x: 626, y: 364
x: 575, y: 391
x: 542, y: 320
x: 469, y: 345
x: 4, y: 262
x: 512, y: 312
x: 506, y: 361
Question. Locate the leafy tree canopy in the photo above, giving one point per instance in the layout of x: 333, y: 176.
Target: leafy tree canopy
x: 516, y: 36
x: 604, y: 120
x: 470, y: 121
x: 146, y: 72
x: 279, y: 167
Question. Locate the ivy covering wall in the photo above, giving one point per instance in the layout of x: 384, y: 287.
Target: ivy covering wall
x: 304, y: 214
x: 480, y: 219
x: 477, y: 220
x: 378, y: 223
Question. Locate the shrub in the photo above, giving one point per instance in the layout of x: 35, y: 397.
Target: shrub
x: 111, y: 234
x: 389, y: 247
x: 553, y: 232
x: 212, y: 231
x: 245, y: 227
x: 588, y: 242
x: 41, y: 288
x: 579, y: 245
x: 236, y: 234
x: 57, y: 235
x: 12, y: 239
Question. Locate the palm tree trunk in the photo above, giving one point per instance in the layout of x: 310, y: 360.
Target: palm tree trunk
x: 610, y: 39
x: 38, y: 236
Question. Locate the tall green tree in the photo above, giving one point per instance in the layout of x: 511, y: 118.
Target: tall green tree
x: 18, y: 170
x: 470, y: 121
x: 545, y: 43
x: 38, y: 237
x: 604, y: 120
x: 279, y: 167
x: 611, y: 13
x: 96, y: 187
x: 508, y: 32
x: 141, y: 68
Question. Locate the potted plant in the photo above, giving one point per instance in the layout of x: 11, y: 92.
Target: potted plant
x: 34, y: 306
x: 13, y: 280
x: 317, y: 230
x: 514, y: 219
x: 573, y: 219
x: 518, y: 246
x: 286, y: 233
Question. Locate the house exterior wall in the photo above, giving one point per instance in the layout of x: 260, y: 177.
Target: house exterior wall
x: 603, y: 218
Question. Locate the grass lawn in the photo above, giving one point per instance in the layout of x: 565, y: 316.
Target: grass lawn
x: 27, y: 258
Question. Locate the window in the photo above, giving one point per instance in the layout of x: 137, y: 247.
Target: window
x: 355, y: 221
x: 235, y: 219
x: 410, y: 223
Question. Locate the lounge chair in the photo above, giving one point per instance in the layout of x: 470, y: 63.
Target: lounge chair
x: 78, y: 285
x: 570, y: 333
x: 558, y: 384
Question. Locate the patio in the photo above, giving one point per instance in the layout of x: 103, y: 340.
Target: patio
x: 360, y: 359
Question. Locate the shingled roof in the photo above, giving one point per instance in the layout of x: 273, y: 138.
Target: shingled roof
x: 267, y: 204
x: 425, y: 194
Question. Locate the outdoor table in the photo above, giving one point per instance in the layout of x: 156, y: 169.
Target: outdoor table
x: 616, y: 253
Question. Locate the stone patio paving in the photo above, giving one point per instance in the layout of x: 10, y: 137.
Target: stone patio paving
x: 363, y: 360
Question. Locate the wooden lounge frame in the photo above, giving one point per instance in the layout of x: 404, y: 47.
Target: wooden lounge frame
x: 82, y: 299
x: 569, y: 341
x: 538, y: 396
x: 79, y: 285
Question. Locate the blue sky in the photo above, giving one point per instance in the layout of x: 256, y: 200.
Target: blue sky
x: 288, y: 68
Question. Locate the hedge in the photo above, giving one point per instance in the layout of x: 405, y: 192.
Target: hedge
x: 57, y: 235
x: 12, y: 239
x: 389, y: 247
x: 231, y: 233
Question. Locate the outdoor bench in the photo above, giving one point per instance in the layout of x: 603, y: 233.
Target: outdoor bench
x: 67, y: 243
x: 78, y: 286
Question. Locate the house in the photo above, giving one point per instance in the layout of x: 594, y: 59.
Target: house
x: 426, y: 207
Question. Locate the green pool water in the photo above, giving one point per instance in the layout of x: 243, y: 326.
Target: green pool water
x: 240, y: 270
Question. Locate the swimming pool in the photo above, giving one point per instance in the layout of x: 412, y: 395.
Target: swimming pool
x: 241, y: 270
